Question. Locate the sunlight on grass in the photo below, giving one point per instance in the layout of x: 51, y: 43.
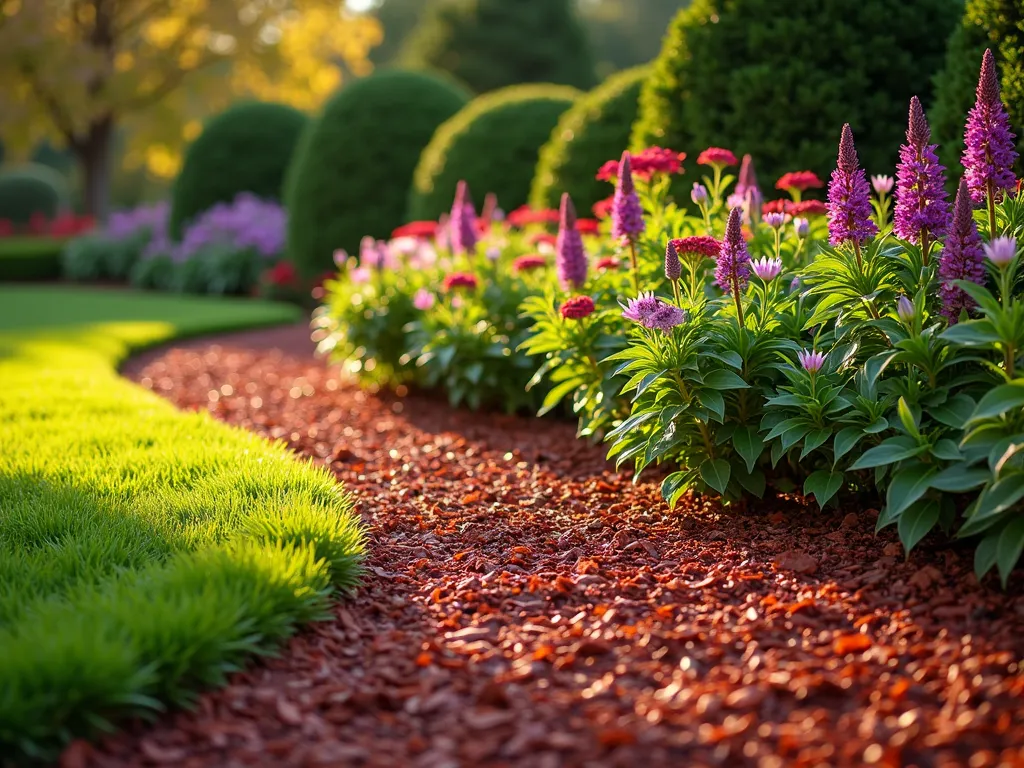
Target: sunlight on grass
x: 144, y: 552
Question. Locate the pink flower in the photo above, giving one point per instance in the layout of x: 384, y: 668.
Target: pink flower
x: 716, y: 156
x: 459, y: 280
x: 767, y: 268
x: 810, y: 360
x: 529, y: 262
x: 577, y: 307
x: 800, y: 181
x: 702, y: 246
x: 882, y: 184
x: 360, y: 275
x: 607, y: 262
x: 423, y: 300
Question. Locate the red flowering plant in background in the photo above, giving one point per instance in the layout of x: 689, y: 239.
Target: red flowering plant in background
x: 64, y: 225
x: 524, y: 216
x: 798, y: 182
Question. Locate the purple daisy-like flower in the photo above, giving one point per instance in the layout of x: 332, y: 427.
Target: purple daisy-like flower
x: 570, y: 258
x: 811, y: 361
x: 1001, y: 251
x: 989, y: 153
x: 849, y: 197
x: 627, y: 215
x: 732, y: 270
x: 767, y: 268
x: 462, y: 223
x: 640, y: 308
x: 922, y: 209
x: 665, y: 318
x: 961, y: 258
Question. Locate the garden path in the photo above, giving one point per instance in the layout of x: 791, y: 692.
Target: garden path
x: 525, y: 605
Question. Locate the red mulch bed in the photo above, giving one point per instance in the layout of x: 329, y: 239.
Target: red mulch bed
x: 525, y: 605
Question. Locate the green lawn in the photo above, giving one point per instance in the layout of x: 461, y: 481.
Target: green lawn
x: 144, y: 552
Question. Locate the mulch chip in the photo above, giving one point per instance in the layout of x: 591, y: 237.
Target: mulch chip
x: 526, y: 605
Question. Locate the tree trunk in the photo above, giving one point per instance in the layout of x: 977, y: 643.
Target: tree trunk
x: 93, y: 156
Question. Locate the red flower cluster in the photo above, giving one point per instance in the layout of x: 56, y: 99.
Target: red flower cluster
x: 699, y: 245
x: 536, y: 238
x: 603, y: 208
x: 588, y: 226
x: 282, y: 274
x: 805, y: 208
x: 577, y: 307
x: 525, y: 215
x: 799, y: 180
x: 460, y: 280
x: 716, y: 156
x: 607, y: 262
x: 645, y: 164
x: 528, y: 262
x: 425, y: 230
x: 64, y: 225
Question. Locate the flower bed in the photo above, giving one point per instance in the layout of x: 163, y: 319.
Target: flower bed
x: 736, y: 345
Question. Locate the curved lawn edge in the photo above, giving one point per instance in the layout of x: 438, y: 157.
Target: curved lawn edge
x: 145, y: 552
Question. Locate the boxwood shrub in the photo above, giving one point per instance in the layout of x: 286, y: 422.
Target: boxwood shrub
x: 31, y: 189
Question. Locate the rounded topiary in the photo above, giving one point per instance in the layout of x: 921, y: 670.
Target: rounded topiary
x: 778, y: 80
x: 492, y: 144
x: 32, y: 189
x: 595, y: 129
x: 353, y: 167
x: 246, y: 148
x: 490, y: 44
x: 995, y: 24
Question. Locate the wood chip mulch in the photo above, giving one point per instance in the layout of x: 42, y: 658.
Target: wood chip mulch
x: 525, y: 605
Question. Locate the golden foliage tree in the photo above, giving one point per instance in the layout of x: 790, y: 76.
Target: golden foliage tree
x: 75, y: 71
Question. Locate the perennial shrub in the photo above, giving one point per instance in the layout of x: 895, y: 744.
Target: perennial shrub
x: 492, y: 144
x: 246, y: 148
x: 491, y: 44
x: 32, y: 189
x: 352, y: 171
x: 775, y: 79
x: 596, y: 127
x: 995, y: 24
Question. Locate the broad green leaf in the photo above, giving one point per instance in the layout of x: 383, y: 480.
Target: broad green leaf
x: 715, y: 472
x: 722, y: 379
x: 971, y: 333
x: 986, y: 553
x: 712, y: 400
x: 823, y: 485
x: 1011, y: 543
x: 878, y: 425
x: 946, y: 450
x: 814, y: 439
x: 748, y: 445
x: 999, y: 400
x: 917, y: 522
x: 674, y: 486
x: 846, y: 438
x: 959, y: 478
x: 954, y: 412
x: 907, y: 486
x: 753, y: 482
x: 889, y: 452
x: 793, y: 436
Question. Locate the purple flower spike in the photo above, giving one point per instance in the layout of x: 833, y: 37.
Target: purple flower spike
x: 733, y: 268
x: 462, y: 223
x: 627, y: 215
x: 811, y: 361
x: 849, y: 197
x: 1001, y: 251
x: 673, y: 267
x: 746, y: 187
x: 961, y: 257
x: 767, y: 268
x: 570, y: 258
x: 989, y: 153
x: 922, y: 210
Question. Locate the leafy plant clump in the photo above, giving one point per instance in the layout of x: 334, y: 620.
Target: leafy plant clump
x: 491, y: 44
x: 775, y: 79
x: 492, y: 144
x: 594, y: 129
x: 246, y: 148
x: 32, y: 192
x: 355, y: 163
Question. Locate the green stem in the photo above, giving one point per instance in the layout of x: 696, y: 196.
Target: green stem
x: 677, y: 294
x: 636, y: 267
x: 991, y: 211
x: 739, y: 301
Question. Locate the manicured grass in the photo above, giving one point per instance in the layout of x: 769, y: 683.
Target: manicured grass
x: 144, y: 552
x: 30, y: 258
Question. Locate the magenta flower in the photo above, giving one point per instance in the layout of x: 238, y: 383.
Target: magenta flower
x: 811, y: 361
x: 640, y: 308
x: 849, y: 197
x: 961, y: 257
x: 462, y: 223
x: 922, y: 210
x: 989, y: 153
x: 627, y: 215
x: 423, y: 300
x: 775, y: 220
x: 1001, y: 251
x: 577, y: 307
x: 767, y: 268
x: 665, y: 317
x: 570, y: 258
x: 733, y: 268
x: 716, y: 157
x: 673, y: 267
x: 340, y: 257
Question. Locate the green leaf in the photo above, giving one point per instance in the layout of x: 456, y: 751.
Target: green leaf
x: 917, y: 522
x: 959, y: 478
x: 753, y: 483
x: 986, y: 553
x: 813, y: 440
x: 889, y: 452
x: 954, y: 412
x: 823, y: 485
x: 907, y: 418
x: 748, y: 445
x: 712, y: 400
x: 1011, y: 543
x: 999, y: 400
x: 722, y: 379
x: 998, y: 497
x: 907, y: 486
x: 971, y: 333
x: 715, y: 472
x: 674, y: 486
x: 846, y: 438
x: 878, y: 425
x: 946, y: 450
